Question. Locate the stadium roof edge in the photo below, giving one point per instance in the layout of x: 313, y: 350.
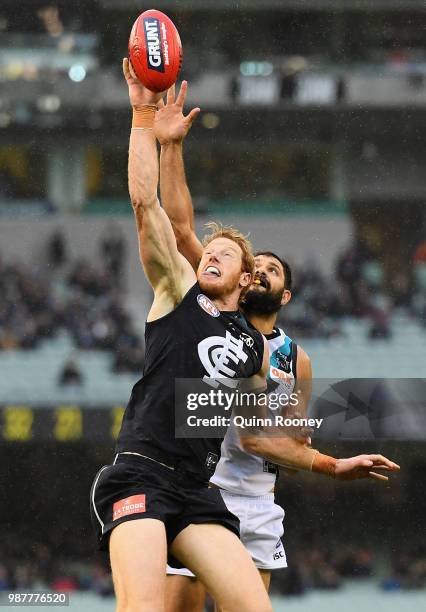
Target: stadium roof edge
x: 301, y: 5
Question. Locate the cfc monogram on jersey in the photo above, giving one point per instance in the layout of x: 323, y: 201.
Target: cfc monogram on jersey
x: 220, y: 356
x: 194, y: 341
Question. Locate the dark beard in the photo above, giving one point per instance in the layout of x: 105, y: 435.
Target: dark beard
x: 258, y: 303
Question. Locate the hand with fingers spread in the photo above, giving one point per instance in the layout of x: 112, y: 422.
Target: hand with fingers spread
x: 171, y: 125
x: 139, y: 95
x: 364, y: 466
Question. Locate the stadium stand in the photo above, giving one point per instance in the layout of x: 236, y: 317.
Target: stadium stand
x: 311, y: 141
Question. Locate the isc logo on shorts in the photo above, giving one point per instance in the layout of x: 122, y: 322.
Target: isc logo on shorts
x: 153, y: 44
x: 128, y: 505
x: 207, y: 305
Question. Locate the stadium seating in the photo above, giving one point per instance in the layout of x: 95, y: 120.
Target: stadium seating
x: 350, y: 355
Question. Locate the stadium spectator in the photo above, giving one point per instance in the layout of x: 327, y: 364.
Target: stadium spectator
x: 113, y: 251
x: 420, y: 253
x: 5, y: 582
x: 56, y: 249
x: 408, y: 570
x: 101, y: 580
x: 402, y: 293
x: 71, y: 375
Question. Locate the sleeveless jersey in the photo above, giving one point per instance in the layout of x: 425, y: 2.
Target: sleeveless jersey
x: 239, y: 471
x: 197, y: 341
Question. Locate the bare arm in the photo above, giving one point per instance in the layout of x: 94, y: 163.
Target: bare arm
x: 303, y: 381
x: 294, y: 452
x: 171, y: 127
x: 286, y: 450
x: 168, y: 272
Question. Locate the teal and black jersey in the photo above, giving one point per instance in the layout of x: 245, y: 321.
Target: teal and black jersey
x: 282, y: 361
x: 238, y: 471
x: 195, y: 341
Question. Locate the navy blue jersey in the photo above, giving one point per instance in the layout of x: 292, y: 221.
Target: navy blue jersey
x: 195, y: 340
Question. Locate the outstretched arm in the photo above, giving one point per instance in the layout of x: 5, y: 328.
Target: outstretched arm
x: 171, y: 127
x: 293, y: 451
x: 168, y: 272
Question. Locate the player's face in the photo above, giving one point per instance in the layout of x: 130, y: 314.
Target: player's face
x: 268, y: 275
x: 220, y: 270
x: 267, y: 293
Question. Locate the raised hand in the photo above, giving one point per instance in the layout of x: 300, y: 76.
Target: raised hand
x: 364, y: 466
x: 171, y: 125
x: 138, y: 93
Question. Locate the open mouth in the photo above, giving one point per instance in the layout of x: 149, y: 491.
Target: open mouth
x: 261, y: 281
x: 212, y: 271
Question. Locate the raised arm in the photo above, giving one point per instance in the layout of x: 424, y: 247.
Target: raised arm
x: 171, y: 127
x: 168, y: 272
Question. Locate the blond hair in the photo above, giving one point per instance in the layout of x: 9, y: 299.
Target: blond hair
x: 227, y: 231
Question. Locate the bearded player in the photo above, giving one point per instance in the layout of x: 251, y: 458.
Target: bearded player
x: 246, y: 480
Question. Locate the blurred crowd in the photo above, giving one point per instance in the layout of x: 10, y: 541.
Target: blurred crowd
x: 320, y: 569
x: 308, y: 570
x: 358, y: 289
x: 326, y: 570
x: 46, y: 571
x: 82, y: 298
x: 86, y: 300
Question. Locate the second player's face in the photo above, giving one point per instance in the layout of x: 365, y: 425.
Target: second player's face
x: 267, y: 293
x: 220, y: 270
x: 270, y: 274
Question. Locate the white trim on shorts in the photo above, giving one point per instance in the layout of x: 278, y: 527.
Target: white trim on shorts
x: 182, y: 571
x: 93, y: 496
x: 169, y: 467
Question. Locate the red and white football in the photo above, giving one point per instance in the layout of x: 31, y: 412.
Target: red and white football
x: 155, y: 50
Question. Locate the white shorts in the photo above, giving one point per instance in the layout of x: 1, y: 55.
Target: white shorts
x: 261, y: 528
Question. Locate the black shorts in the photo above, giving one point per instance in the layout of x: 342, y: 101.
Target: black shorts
x: 135, y: 488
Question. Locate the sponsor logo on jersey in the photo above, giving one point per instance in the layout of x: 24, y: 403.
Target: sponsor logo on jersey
x: 278, y: 555
x: 279, y: 375
x: 283, y: 361
x: 211, y: 461
x: 270, y: 468
x: 247, y: 339
x: 128, y: 505
x: 280, y: 382
x: 207, y: 305
x: 221, y: 357
x: 154, y: 53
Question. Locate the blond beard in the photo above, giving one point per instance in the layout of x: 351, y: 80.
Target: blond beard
x: 221, y: 291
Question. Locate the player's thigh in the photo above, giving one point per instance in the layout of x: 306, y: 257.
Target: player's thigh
x: 184, y: 594
x: 218, y: 558
x: 266, y: 579
x: 138, y: 553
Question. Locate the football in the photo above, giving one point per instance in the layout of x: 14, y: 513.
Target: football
x: 155, y: 50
